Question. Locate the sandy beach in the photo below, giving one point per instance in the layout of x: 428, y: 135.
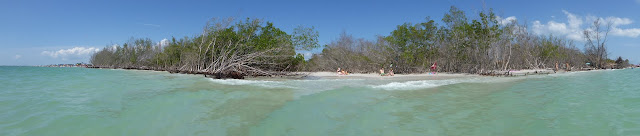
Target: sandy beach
x: 423, y: 76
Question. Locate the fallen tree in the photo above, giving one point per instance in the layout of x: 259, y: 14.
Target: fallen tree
x: 247, y: 48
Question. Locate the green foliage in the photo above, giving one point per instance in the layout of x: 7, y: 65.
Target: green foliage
x: 298, y: 60
x: 621, y: 63
x: 474, y: 45
x: 219, y: 42
x: 305, y: 38
x: 549, y: 49
x: 414, y: 43
x: 270, y: 37
x: 462, y: 44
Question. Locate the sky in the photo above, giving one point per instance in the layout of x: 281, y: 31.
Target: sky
x: 41, y: 32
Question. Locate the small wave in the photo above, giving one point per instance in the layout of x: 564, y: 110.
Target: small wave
x: 268, y: 84
x: 411, y: 85
x: 421, y: 84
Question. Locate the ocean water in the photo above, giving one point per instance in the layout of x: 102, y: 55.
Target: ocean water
x: 38, y: 101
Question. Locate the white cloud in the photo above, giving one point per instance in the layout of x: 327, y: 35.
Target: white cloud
x: 72, y: 54
x: 163, y: 43
x: 616, y: 21
x: 308, y: 55
x: 632, y: 32
x: 574, y: 21
x: 506, y: 21
x: 615, y: 30
x: 17, y: 57
x: 558, y: 29
x: 575, y: 25
x: 571, y: 30
x: 114, y: 47
x: 591, y: 19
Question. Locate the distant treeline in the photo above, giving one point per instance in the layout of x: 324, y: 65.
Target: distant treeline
x: 230, y: 48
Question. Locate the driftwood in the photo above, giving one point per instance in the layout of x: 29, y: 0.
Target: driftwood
x: 230, y: 63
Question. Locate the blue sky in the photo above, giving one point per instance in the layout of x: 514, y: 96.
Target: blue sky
x: 50, y: 32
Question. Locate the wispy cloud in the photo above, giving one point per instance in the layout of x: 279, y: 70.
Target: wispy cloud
x: 154, y: 25
x: 616, y: 30
x: 17, y: 57
x: 575, y: 25
x: 74, y: 53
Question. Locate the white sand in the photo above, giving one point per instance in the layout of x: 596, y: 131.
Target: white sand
x: 530, y: 72
x: 422, y: 76
x: 334, y: 75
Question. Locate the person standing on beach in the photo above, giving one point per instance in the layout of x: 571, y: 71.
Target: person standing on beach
x: 433, y: 67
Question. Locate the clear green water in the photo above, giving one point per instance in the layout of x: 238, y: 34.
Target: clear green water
x: 76, y: 101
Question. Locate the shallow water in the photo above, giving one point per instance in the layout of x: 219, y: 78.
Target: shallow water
x: 78, y: 101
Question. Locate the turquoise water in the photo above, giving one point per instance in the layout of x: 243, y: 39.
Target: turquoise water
x: 77, y: 101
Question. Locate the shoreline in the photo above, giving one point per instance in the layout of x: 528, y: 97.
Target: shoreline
x: 414, y: 76
x: 333, y: 75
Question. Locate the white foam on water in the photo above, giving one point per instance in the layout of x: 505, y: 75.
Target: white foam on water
x: 412, y: 85
x: 422, y: 84
x: 310, y: 87
x: 300, y: 87
x: 268, y: 84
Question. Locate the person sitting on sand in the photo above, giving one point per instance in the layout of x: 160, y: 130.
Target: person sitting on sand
x: 339, y: 71
x: 382, y: 72
x: 391, y: 72
x: 342, y: 72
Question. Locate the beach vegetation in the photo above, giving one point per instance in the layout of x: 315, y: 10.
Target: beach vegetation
x: 225, y: 47
x: 462, y: 44
x: 477, y: 44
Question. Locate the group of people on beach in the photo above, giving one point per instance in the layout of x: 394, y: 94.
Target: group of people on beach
x: 386, y: 74
x: 342, y: 72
